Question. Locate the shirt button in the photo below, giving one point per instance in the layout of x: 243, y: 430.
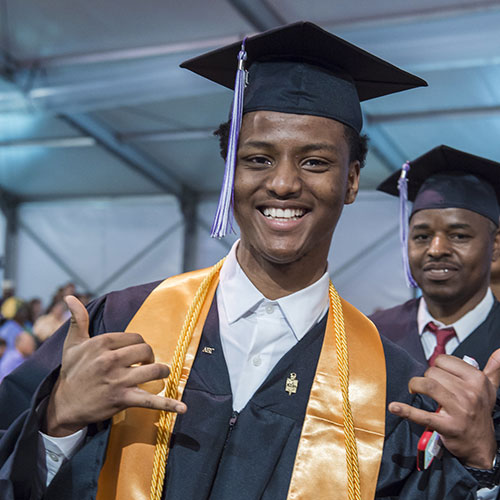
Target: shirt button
x: 257, y: 361
x: 53, y: 456
x: 269, y: 309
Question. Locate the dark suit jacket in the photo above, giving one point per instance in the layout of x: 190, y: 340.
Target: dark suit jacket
x: 399, y: 324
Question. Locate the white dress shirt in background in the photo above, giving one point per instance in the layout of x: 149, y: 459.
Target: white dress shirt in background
x: 463, y: 327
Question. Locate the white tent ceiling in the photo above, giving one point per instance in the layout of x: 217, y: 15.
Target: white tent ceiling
x: 93, y: 103
x: 92, y: 100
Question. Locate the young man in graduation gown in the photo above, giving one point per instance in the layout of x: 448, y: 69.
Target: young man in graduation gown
x: 452, y: 240
x: 277, y: 388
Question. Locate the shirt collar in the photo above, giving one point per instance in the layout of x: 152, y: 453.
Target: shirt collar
x: 466, y: 324
x: 302, y: 309
x: 239, y: 295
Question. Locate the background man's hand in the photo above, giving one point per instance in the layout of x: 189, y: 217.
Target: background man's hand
x: 467, y: 397
x: 100, y: 376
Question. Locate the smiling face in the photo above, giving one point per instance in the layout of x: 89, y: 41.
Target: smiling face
x: 450, y: 252
x: 293, y: 177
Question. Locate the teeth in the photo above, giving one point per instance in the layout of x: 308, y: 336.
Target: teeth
x: 280, y: 213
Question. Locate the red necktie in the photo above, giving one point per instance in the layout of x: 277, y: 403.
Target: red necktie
x: 442, y: 337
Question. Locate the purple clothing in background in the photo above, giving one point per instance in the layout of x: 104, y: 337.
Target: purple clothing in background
x: 9, y: 362
x: 9, y: 331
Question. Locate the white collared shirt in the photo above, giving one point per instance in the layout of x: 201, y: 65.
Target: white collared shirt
x: 55, y: 451
x: 257, y: 332
x: 463, y: 327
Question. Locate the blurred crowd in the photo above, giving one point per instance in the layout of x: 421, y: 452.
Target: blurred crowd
x: 25, y: 325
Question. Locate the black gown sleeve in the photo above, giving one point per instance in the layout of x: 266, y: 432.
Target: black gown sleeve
x: 22, y: 397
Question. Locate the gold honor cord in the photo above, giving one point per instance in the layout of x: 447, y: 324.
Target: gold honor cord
x: 351, y: 449
x: 166, y: 418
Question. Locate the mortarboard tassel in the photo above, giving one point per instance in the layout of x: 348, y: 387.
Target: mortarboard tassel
x: 224, y: 214
x: 403, y: 223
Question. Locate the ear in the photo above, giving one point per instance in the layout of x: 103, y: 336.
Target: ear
x: 495, y: 254
x: 352, y: 182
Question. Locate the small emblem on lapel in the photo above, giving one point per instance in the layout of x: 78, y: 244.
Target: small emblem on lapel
x: 291, y: 384
x: 208, y: 350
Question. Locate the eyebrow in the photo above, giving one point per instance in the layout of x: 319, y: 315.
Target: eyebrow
x: 456, y: 225
x: 256, y: 144
x: 460, y: 225
x: 320, y: 146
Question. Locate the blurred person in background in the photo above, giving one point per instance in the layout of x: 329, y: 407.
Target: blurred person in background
x: 84, y: 297
x: 48, y: 323
x: 68, y: 289
x: 36, y: 309
x: 3, y: 347
x: 7, y: 290
x: 13, y: 327
x: 10, y: 306
x: 64, y: 290
x: 24, y: 347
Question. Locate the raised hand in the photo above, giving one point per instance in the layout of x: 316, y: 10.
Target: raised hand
x: 467, y: 397
x: 100, y: 377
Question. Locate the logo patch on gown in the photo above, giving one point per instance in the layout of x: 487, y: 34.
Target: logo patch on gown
x: 291, y: 384
x: 208, y: 350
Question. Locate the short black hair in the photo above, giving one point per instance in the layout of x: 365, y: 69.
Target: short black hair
x: 358, y: 143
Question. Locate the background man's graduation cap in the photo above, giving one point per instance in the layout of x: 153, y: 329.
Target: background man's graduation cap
x: 444, y: 178
x: 301, y: 69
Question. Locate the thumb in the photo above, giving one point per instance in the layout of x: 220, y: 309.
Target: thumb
x: 492, y: 368
x: 79, y: 324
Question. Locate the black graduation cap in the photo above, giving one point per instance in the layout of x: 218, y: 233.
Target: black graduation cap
x: 301, y: 68
x: 449, y: 178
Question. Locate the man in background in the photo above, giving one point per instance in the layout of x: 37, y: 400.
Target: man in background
x: 453, y: 241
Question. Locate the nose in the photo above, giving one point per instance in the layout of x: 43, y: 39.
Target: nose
x: 284, y: 179
x: 438, y: 247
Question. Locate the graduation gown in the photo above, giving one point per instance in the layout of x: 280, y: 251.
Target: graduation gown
x: 214, y: 454
x: 399, y: 324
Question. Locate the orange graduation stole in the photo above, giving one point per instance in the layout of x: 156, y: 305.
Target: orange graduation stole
x: 340, y: 447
